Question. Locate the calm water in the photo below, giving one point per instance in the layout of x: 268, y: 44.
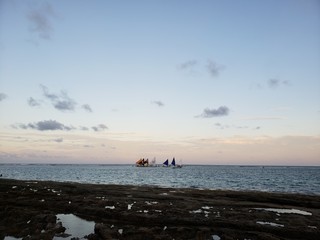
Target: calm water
x: 272, y: 179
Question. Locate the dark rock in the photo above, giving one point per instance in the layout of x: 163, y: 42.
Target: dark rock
x: 103, y: 231
x: 63, y: 235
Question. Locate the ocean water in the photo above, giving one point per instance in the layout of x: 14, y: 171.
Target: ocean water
x: 304, y: 180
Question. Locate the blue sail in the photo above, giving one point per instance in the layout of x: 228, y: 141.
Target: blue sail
x: 173, y: 163
x: 166, y: 163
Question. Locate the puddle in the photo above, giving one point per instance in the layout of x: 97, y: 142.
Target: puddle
x: 206, y: 207
x: 110, y: 207
x: 75, y: 226
x: 11, y: 238
x: 215, y: 237
x: 270, y: 224
x: 283, y: 210
x: 196, y: 211
x: 206, y: 213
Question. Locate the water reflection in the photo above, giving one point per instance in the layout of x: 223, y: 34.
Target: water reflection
x: 75, y: 227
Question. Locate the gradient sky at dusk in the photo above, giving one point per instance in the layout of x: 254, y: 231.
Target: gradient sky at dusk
x: 209, y: 82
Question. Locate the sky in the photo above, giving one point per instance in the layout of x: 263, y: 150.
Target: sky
x: 207, y: 82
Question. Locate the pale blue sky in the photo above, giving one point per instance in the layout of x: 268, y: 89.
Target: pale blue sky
x: 218, y: 82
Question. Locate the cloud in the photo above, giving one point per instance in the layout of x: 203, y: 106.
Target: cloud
x: 99, y: 127
x: 213, y: 68
x: 61, y: 102
x: 66, y: 104
x: 259, y: 118
x: 2, y: 96
x: 84, y: 128
x: 225, y: 126
x: 219, y: 112
x: 33, y: 102
x: 40, y: 21
x: 87, y: 107
x: 48, y: 95
x: 188, y: 64
x: 46, y: 125
x: 53, y: 125
x: 158, y: 103
x: 58, y: 140
x: 88, y: 146
x: 275, y: 83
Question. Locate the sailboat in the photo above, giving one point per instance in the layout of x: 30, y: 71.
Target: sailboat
x: 142, y: 163
x: 145, y: 163
x: 174, y: 165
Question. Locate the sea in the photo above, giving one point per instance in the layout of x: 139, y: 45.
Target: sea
x: 303, y: 180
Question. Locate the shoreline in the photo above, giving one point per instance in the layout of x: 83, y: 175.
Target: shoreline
x: 30, y: 207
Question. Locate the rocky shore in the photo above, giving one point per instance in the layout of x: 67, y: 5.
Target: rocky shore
x: 33, y: 210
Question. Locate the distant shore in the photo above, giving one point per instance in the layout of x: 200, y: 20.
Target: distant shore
x: 28, y: 210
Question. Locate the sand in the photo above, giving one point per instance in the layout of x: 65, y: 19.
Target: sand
x: 29, y: 209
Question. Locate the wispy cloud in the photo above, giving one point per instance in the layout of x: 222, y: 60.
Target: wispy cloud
x: 158, y: 103
x: 40, y: 20
x: 48, y: 95
x: 65, y: 103
x: 3, y: 96
x: 88, y: 146
x: 58, y: 140
x: 214, y: 68
x: 60, y: 101
x: 87, y: 107
x: 219, y: 112
x: 53, y: 125
x: 226, y: 126
x: 84, y: 128
x: 99, y: 127
x: 188, y: 64
x: 263, y: 118
x: 275, y: 83
x: 46, y: 125
x: 33, y: 102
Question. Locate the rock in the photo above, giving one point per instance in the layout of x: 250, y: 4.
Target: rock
x: 103, y: 231
x: 63, y: 235
x: 59, y: 228
x: 92, y: 236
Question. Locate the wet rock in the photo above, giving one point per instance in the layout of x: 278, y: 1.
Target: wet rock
x: 63, y: 235
x: 103, y: 231
x: 58, y: 228
x: 92, y: 236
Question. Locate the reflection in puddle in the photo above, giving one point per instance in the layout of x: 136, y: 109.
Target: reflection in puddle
x: 75, y: 226
x: 270, y: 224
x: 280, y: 210
x: 11, y: 238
